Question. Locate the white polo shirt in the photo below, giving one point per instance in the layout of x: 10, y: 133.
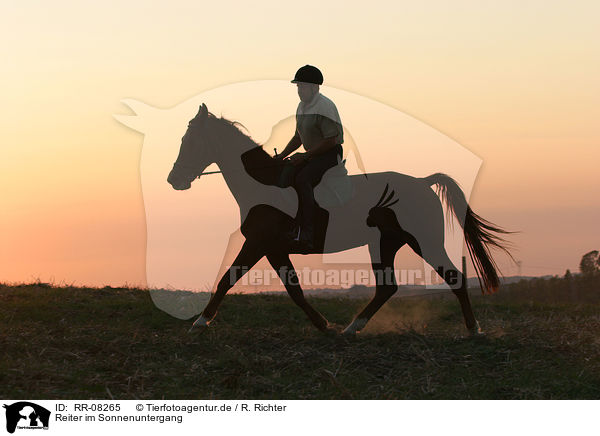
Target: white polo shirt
x: 317, y: 120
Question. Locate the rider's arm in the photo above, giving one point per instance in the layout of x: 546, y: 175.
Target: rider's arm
x: 323, y: 146
x: 292, y: 146
x: 332, y: 134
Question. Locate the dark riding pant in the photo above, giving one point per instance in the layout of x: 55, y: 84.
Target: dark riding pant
x: 307, y: 176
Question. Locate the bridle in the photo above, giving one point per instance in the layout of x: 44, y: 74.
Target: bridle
x: 195, y: 125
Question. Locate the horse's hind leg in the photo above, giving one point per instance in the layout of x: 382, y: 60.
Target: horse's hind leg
x: 282, y: 264
x: 442, y: 264
x: 248, y: 256
x: 385, y: 281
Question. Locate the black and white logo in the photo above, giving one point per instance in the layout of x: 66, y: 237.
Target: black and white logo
x: 26, y: 415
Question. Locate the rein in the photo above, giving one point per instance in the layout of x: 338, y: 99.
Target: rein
x: 254, y: 168
x: 206, y: 173
x: 209, y: 172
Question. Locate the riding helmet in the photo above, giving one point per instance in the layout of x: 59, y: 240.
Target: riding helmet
x: 308, y: 74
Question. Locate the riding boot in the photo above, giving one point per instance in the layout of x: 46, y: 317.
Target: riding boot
x: 307, y: 239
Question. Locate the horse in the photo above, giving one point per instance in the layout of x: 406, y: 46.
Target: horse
x: 415, y: 218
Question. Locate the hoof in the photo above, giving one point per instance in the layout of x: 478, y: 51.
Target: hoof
x: 475, y: 331
x: 349, y: 333
x: 197, y: 329
x: 200, y: 325
x: 356, y: 326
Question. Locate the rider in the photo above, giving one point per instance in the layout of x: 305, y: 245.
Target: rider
x: 319, y: 129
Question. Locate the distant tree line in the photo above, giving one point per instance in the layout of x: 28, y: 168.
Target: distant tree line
x: 590, y: 264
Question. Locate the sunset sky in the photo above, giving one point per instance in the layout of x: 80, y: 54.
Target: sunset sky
x: 516, y: 83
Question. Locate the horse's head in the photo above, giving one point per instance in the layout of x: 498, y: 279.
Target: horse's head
x: 195, y: 153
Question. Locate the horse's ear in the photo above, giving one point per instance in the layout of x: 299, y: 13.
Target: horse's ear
x: 202, y: 113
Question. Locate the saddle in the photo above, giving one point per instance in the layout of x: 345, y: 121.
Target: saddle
x: 334, y: 190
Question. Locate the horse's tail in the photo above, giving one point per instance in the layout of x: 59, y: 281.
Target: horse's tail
x: 480, y: 234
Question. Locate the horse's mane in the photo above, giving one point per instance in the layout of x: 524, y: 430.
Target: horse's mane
x: 257, y: 162
x: 230, y: 125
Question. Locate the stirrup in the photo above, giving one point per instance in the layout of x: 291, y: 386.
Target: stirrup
x: 294, y: 234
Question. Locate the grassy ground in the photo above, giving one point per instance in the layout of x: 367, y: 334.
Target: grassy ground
x: 542, y: 342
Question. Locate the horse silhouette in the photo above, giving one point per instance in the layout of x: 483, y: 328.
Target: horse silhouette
x: 415, y: 217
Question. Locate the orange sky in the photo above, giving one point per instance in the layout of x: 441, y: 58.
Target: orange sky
x: 516, y: 84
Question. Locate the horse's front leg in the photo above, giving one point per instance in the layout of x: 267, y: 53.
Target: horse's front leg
x: 248, y: 256
x: 282, y: 264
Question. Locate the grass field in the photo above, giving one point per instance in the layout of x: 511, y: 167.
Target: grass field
x: 542, y: 342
